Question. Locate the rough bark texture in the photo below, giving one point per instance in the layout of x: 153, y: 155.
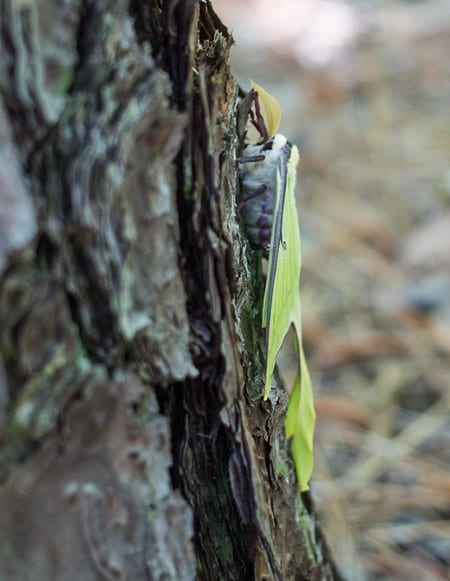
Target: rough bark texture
x: 134, y: 443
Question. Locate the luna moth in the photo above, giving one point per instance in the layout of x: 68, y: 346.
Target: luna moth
x: 268, y: 208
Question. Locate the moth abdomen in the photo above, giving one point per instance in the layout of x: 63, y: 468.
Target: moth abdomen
x: 257, y: 214
x: 259, y: 166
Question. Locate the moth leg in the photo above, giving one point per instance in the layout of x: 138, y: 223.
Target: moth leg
x: 258, y: 192
x: 251, y: 158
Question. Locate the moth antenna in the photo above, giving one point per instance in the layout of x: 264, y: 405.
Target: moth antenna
x: 257, y: 119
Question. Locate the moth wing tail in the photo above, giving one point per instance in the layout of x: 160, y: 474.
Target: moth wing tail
x: 301, y: 415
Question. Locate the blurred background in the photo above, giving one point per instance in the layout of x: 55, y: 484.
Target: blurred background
x: 365, y: 92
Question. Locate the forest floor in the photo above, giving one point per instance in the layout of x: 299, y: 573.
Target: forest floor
x: 365, y: 92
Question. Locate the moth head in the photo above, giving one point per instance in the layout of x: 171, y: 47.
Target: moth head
x: 277, y: 142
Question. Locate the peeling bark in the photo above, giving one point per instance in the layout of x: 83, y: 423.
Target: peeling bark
x: 134, y: 442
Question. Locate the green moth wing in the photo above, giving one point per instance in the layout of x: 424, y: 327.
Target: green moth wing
x: 300, y: 423
x: 281, y: 309
x: 281, y: 291
x: 269, y: 182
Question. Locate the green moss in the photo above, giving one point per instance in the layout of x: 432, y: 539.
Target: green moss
x: 282, y: 469
x: 65, y: 80
x: 37, y: 407
x: 302, y: 520
x: 8, y: 352
x: 142, y: 412
x: 225, y: 549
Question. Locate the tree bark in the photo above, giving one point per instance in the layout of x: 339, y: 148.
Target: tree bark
x: 134, y: 441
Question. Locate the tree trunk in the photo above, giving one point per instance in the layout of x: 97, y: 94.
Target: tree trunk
x: 134, y: 442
